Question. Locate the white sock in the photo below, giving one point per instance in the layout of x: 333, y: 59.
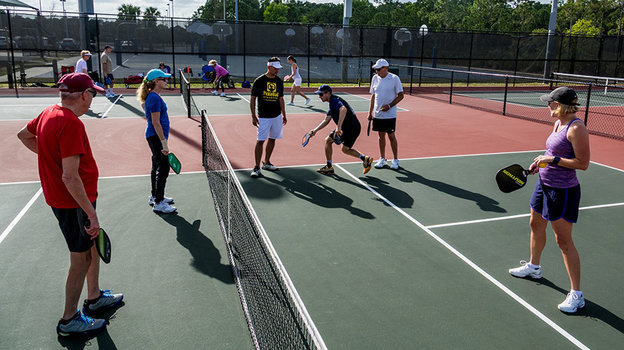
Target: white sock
x: 577, y: 292
x: 533, y: 266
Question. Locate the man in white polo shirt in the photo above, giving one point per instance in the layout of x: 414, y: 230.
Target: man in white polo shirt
x: 386, y: 92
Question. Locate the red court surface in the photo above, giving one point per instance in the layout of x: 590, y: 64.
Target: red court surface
x: 427, y: 129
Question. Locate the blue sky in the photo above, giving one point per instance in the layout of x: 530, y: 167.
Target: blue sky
x: 181, y: 8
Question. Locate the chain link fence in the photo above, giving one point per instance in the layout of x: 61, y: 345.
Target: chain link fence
x: 35, y: 46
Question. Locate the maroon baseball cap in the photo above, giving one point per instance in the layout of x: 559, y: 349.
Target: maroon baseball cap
x: 76, y: 82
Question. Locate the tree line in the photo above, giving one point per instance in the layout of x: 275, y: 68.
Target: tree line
x: 577, y: 17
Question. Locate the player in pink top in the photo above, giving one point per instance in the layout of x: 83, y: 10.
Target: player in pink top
x: 222, y: 77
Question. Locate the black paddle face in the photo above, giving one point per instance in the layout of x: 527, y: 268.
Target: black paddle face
x: 368, y: 129
x: 103, y: 246
x: 511, y: 178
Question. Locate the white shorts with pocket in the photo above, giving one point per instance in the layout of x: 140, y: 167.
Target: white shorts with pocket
x: 297, y: 80
x: 271, y: 128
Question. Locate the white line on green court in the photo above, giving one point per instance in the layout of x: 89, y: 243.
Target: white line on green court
x: 241, y: 96
x: 19, y: 216
x: 469, y: 222
x: 111, y: 106
x: 474, y: 266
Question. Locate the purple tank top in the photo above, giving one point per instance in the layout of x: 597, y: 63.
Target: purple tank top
x: 553, y: 175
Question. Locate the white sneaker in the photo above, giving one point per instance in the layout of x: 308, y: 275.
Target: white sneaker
x: 163, y: 207
x: 572, y: 303
x: 524, y: 270
x: 290, y: 104
x: 307, y: 100
x: 223, y: 94
x: 268, y: 166
x: 215, y: 93
x: 152, y: 200
x: 255, y: 172
x: 395, y: 164
x: 382, y: 162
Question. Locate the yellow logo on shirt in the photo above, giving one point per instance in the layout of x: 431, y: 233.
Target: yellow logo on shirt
x: 271, y: 94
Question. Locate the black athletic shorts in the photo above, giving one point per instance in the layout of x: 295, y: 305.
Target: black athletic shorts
x: 556, y: 203
x: 349, y: 136
x: 72, y: 221
x: 384, y: 125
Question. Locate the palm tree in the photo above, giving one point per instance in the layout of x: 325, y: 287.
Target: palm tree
x: 128, y: 12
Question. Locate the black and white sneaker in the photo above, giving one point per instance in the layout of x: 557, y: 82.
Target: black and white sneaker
x: 105, y: 301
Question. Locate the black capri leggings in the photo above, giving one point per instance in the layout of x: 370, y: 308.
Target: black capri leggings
x: 160, y: 168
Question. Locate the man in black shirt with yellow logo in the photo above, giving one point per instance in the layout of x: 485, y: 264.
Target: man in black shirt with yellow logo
x: 268, y: 89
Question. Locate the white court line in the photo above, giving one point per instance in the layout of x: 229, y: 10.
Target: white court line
x: 459, y: 223
x: 241, y: 96
x: 474, y: 266
x: 19, y: 216
x: 122, y: 63
x: 111, y: 106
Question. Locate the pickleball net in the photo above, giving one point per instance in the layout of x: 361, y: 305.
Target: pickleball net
x: 275, y: 314
x: 187, y: 98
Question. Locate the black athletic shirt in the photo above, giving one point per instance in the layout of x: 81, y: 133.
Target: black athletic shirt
x: 350, y: 122
x: 268, y: 91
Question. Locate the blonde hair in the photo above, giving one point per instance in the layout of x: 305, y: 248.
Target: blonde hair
x: 564, y: 109
x: 212, y: 62
x: 144, y: 89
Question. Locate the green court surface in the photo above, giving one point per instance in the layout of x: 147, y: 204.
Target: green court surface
x: 178, y: 288
x: 531, y: 98
x: 418, y: 258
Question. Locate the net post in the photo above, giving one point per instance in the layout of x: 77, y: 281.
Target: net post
x: 505, y: 98
x: 589, y: 89
x: 411, y: 68
x: 552, y: 77
x: 451, y: 92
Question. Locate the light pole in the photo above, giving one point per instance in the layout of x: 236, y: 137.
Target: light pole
x: 65, y: 18
x: 171, y: 8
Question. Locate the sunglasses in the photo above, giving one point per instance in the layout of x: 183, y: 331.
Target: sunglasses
x: 93, y: 92
x: 163, y: 79
x: 378, y: 69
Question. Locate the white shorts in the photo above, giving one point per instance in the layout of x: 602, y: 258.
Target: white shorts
x: 271, y: 128
x: 297, y: 81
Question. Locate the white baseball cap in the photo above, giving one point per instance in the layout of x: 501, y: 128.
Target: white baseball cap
x: 381, y: 63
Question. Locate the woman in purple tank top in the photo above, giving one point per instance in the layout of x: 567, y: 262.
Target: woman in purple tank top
x: 557, y: 192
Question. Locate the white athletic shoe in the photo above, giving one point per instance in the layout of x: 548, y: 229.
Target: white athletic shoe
x: 524, y: 270
x: 152, y: 200
x: 307, y: 100
x: 223, y: 94
x: 395, y: 164
x: 255, y: 172
x: 215, y: 93
x: 290, y: 104
x: 163, y: 207
x: 572, y: 303
x: 382, y: 162
x: 268, y: 166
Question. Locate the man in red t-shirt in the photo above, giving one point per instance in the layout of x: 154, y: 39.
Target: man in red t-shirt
x: 69, y: 176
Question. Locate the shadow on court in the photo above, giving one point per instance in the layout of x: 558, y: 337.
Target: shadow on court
x: 484, y: 202
x: 304, y: 184
x: 396, y: 196
x: 206, y: 257
x: 591, y: 309
x: 130, y: 108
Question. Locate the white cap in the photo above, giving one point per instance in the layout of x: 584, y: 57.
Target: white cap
x: 274, y: 64
x: 381, y: 63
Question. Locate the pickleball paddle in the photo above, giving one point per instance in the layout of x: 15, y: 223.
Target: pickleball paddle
x: 368, y: 129
x: 305, y: 139
x: 513, y: 177
x: 174, y: 162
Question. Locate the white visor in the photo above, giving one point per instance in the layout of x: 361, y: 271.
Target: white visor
x: 275, y: 64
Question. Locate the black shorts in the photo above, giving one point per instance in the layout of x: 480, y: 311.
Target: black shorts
x: 384, y: 125
x: 349, y: 136
x: 71, y: 221
x: 556, y: 203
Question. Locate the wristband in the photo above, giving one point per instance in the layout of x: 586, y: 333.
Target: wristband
x: 556, y: 160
